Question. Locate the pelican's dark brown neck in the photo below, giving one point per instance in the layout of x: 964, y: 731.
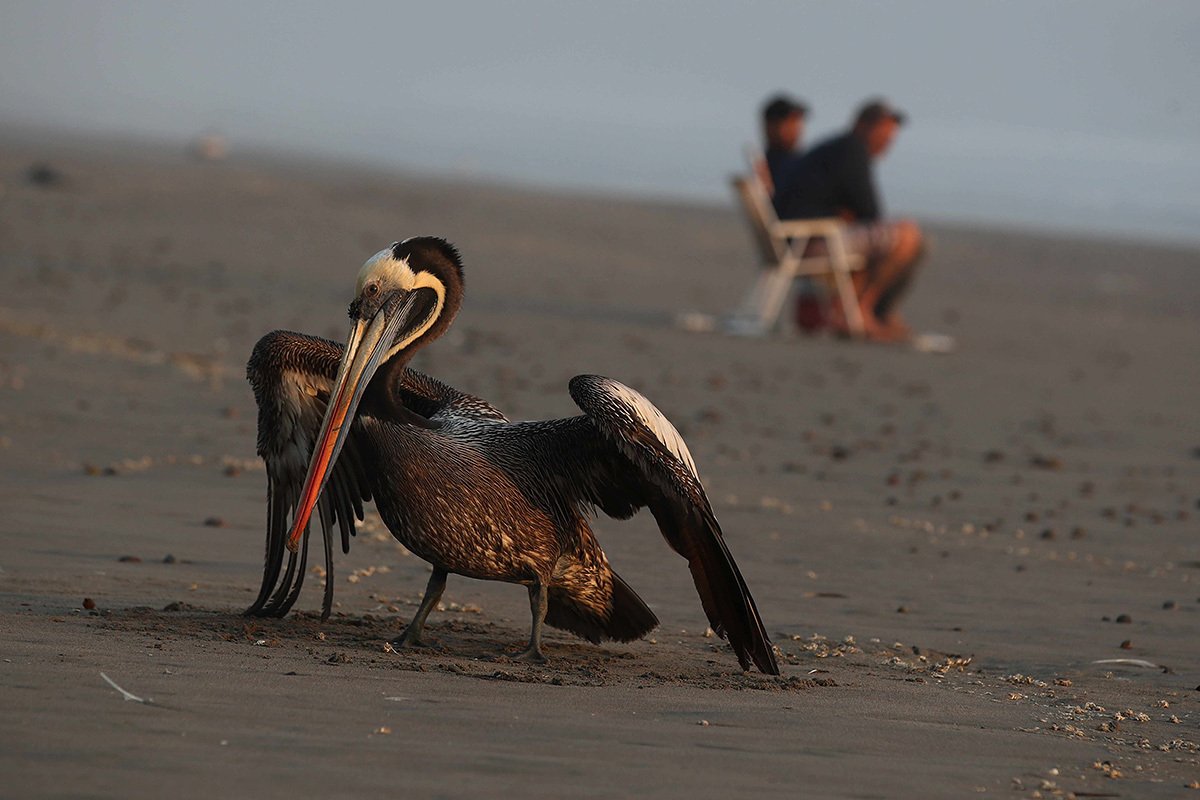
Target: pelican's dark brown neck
x: 384, y: 397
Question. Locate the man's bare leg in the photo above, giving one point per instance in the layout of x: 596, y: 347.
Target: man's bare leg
x: 891, y: 271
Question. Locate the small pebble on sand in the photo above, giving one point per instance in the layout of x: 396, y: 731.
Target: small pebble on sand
x: 89, y: 603
x: 1127, y: 645
x: 130, y: 559
x: 1124, y: 619
x: 214, y: 522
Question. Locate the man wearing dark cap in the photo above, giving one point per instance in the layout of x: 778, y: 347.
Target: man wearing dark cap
x: 783, y: 128
x: 835, y: 179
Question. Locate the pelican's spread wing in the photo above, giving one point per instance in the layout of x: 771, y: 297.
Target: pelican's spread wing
x: 664, y: 477
x: 291, y: 375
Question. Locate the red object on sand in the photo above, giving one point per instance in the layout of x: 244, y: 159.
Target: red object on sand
x: 811, y: 314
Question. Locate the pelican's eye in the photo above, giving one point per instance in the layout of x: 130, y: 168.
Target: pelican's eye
x: 371, y: 289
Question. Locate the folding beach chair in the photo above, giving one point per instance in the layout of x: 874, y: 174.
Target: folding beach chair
x: 782, y: 245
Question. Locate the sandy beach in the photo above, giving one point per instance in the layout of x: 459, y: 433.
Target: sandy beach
x: 981, y: 569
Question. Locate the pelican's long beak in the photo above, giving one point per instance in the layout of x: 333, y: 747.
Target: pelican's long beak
x: 366, y: 349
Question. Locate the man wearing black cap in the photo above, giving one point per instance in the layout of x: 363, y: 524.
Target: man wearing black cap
x: 835, y: 179
x: 783, y: 127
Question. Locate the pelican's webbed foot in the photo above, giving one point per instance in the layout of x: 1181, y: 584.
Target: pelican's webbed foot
x: 532, y: 654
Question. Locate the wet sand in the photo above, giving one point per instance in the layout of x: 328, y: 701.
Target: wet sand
x: 948, y: 550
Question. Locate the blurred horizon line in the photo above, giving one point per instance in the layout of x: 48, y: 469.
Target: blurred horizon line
x: 988, y: 207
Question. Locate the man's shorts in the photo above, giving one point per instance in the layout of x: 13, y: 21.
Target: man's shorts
x: 871, y: 240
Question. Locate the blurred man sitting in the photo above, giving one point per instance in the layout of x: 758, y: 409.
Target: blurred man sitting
x: 835, y: 179
x: 783, y: 128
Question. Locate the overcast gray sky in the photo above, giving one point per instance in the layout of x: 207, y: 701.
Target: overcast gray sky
x: 1082, y: 114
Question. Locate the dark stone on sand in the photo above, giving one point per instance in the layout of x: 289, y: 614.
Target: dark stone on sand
x: 839, y: 453
x: 902, y: 610
x: 214, y: 522
x: 993, y: 457
x: 130, y: 559
x: 89, y: 603
x: 1127, y: 645
x: 1046, y: 462
x: 1078, y: 532
x: 168, y: 559
x: 44, y: 175
x: 1170, y: 605
x: 1031, y: 516
x: 1124, y: 619
x: 1048, y: 533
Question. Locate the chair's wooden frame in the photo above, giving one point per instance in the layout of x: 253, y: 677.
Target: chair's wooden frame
x: 782, y: 245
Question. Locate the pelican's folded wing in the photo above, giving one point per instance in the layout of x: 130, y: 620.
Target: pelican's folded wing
x: 291, y: 375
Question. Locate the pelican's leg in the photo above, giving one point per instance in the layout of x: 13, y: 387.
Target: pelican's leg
x: 537, y: 605
x: 433, y: 593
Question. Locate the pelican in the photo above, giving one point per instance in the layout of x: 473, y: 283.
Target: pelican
x: 464, y: 488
